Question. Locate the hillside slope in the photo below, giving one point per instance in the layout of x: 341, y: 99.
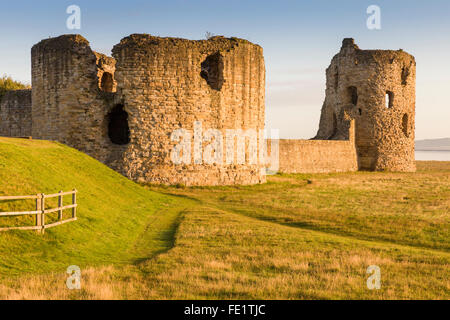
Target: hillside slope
x: 118, y: 220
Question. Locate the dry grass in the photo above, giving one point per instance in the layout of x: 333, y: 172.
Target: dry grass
x: 288, y: 239
x: 221, y: 255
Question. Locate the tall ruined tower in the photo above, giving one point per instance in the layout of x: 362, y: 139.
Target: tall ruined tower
x: 128, y: 111
x: 377, y: 89
x: 170, y: 84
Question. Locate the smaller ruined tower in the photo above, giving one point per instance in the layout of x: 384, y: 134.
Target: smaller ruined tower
x: 377, y: 89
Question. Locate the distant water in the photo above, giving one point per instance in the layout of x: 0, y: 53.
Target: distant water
x: 433, y: 155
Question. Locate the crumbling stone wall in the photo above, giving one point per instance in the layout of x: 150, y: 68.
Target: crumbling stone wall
x: 15, y: 113
x: 106, y: 67
x: 123, y: 110
x: 377, y: 89
x: 70, y: 104
x: 317, y: 156
x: 167, y: 84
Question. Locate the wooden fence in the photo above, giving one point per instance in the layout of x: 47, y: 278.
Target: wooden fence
x: 40, y: 211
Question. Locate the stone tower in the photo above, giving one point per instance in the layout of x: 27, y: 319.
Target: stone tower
x: 128, y: 111
x: 72, y: 86
x: 170, y: 84
x: 377, y: 89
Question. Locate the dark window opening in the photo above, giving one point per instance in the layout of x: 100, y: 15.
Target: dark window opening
x: 118, y: 130
x: 352, y: 93
x: 212, y: 70
x: 405, y: 125
x: 389, y: 99
x: 360, y: 111
x: 336, y: 81
x: 107, y: 82
x: 405, y: 74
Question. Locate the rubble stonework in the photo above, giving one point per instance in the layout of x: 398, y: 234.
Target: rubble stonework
x: 68, y: 103
x: 158, y: 85
x: 15, y: 113
x: 317, y: 156
x: 377, y: 89
x: 132, y: 110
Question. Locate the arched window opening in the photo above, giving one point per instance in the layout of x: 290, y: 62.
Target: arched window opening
x: 389, y: 99
x: 352, y: 95
x: 118, y: 130
x: 212, y: 71
x: 107, y: 82
x: 405, y: 125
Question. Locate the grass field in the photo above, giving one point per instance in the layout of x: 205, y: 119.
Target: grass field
x: 295, y: 237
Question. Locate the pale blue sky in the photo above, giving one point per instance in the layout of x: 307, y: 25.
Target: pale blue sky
x: 299, y: 39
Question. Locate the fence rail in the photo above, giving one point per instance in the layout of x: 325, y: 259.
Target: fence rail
x: 40, y: 211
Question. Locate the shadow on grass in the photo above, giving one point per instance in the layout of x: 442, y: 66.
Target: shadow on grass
x: 166, y: 236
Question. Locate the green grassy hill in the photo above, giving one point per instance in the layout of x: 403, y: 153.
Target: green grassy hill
x: 118, y: 220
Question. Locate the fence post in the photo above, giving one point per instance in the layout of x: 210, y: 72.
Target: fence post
x: 60, y: 204
x: 43, y: 214
x: 38, y: 215
x: 74, y: 201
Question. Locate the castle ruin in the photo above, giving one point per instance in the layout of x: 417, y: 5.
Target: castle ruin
x: 377, y: 89
x: 367, y: 119
x: 124, y: 110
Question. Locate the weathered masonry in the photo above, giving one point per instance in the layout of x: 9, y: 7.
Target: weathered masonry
x: 317, y: 156
x: 377, y: 89
x: 124, y: 110
x: 15, y: 113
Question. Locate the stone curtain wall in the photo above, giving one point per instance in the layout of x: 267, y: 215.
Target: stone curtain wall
x: 15, y: 114
x: 168, y: 84
x: 358, y: 84
x: 317, y: 156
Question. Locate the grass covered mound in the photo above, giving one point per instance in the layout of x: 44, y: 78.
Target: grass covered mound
x: 117, y: 218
